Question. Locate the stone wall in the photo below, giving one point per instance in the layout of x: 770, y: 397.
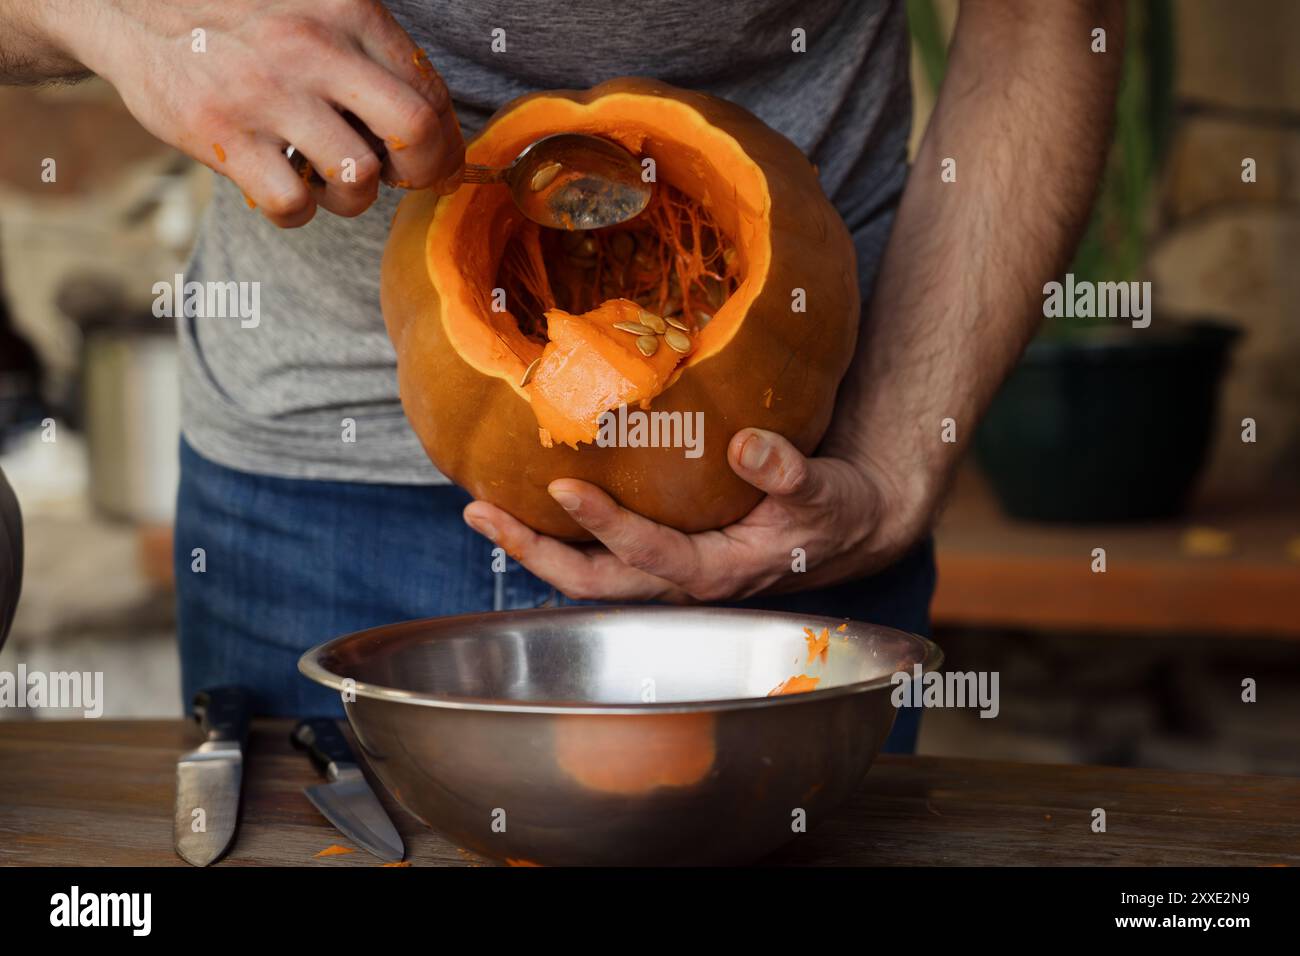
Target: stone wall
x: 1229, y: 247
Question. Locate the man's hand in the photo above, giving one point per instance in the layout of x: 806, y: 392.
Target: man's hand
x: 265, y: 74
x: 848, y: 520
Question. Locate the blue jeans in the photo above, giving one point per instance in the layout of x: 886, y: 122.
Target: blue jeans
x: 289, y: 563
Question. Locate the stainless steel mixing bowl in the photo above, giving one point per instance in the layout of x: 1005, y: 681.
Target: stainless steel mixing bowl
x: 604, y: 735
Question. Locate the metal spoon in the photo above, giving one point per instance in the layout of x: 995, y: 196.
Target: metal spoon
x: 571, y: 181
x: 564, y: 181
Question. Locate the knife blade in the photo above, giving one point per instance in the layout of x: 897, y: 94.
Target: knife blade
x: 346, y: 800
x: 208, y: 779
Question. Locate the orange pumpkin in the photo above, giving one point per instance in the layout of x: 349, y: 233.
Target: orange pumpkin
x: 737, y: 239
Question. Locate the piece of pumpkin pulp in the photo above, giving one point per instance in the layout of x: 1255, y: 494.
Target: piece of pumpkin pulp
x: 589, y: 367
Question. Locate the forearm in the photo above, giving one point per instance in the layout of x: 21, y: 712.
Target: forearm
x: 1025, y: 111
x: 32, y: 44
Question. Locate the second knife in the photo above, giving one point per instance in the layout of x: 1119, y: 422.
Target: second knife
x: 346, y: 799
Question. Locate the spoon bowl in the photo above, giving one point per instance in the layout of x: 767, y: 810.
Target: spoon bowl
x: 571, y: 181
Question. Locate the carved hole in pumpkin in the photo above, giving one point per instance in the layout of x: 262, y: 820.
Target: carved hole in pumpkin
x: 673, y: 259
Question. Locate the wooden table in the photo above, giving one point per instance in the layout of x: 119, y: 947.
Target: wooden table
x: 100, y: 793
x: 1225, y: 571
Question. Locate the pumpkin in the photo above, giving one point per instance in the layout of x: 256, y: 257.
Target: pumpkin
x: 731, y: 301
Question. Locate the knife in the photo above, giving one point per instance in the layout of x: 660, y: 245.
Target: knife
x: 346, y: 800
x: 208, y: 779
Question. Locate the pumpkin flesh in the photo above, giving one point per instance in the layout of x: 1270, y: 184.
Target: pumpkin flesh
x: 589, y: 367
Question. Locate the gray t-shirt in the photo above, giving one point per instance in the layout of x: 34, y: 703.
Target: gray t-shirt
x: 272, y: 398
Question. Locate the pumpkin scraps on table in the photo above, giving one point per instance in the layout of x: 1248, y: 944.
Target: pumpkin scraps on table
x: 335, y: 850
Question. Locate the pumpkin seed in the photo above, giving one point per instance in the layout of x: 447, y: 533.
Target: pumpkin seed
x: 544, y: 176
x: 702, y: 318
x: 654, y: 322
x: 676, y: 322
x: 528, y: 372
x: 730, y: 255
x: 587, y: 246
x: 636, y: 328
x: 678, y: 341
x: 648, y: 344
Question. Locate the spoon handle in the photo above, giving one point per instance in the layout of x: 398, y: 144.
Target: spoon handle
x: 482, y: 174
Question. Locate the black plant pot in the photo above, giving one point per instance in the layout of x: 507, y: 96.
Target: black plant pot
x: 1111, y: 426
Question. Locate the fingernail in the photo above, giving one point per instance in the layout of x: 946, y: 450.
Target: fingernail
x: 567, y: 499
x: 483, y: 528
x: 754, y: 453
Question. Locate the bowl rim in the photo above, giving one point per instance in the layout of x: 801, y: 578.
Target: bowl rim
x: 310, y: 666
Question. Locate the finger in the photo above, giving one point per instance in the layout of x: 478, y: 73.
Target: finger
x: 447, y: 158
x: 340, y: 156
x: 422, y: 149
x: 771, y: 464
x: 636, y: 541
x: 582, y: 575
x: 267, y: 179
x: 425, y: 147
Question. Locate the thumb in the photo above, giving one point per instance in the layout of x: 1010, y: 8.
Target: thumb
x: 771, y: 464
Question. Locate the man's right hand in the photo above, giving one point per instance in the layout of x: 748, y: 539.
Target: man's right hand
x: 267, y: 74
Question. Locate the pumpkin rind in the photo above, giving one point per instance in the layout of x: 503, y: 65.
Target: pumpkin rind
x: 779, y: 370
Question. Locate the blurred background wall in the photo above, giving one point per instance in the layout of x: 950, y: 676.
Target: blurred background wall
x: 81, y: 244
x: 1143, y: 666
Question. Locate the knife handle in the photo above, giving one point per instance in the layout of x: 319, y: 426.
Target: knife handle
x: 223, y: 713
x: 324, y: 743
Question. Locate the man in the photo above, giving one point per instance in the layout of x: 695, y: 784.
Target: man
x: 286, y: 535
